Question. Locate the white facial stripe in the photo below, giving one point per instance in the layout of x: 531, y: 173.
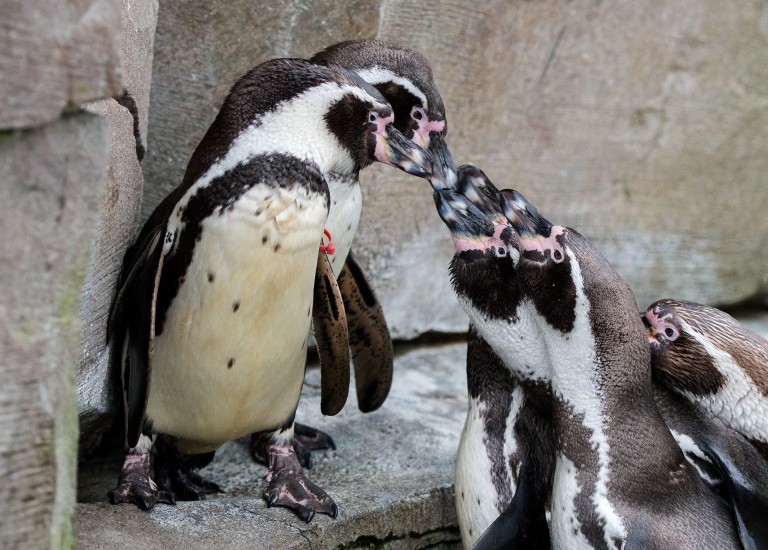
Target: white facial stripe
x: 738, y: 403
x: 295, y: 127
x: 379, y: 75
x: 574, y: 380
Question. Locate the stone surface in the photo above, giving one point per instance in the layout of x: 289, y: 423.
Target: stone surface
x: 137, y: 37
x: 116, y: 223
x: 644, y: 127
x: 51, y: 180
x: 390, y: 475
x: 55, y: 55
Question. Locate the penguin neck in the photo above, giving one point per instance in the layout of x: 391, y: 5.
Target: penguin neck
x: 603, y: 393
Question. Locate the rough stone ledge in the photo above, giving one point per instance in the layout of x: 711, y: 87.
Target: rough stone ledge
x: 391, y: 477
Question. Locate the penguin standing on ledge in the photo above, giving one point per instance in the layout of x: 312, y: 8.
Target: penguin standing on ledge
x: 215, y: 299
x: 711, y: 359
x: 404, y: 78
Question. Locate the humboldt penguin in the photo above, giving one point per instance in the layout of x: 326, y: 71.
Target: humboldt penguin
x: 215, y: 298
x: 404, y: 77
x: 713, y: 360
x: 507, y: 422
x: 621, y: 479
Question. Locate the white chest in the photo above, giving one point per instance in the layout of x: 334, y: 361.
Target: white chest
x: 343, y: 217
x: 230, y: 359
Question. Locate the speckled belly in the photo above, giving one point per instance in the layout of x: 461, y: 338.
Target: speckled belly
x: 230, y: 359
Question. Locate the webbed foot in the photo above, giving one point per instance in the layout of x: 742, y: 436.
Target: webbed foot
x: 135, y: 485
x: 289, y: 487
x: 174, y: 474
x: 306, y: 440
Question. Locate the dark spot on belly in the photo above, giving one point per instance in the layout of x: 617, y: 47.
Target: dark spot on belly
x: 470, y: 532
x: 235, y: 306
x: 230, y: 362
x: 349, y: 227
x: 277, y: 247
x: 462, y: 495
x: 211, y: 277
x: 478, y: 502
x: 259, y: 211
x: 264, y: 238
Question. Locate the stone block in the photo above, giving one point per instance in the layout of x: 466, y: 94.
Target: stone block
x: 116, y: 221
x: 51, y: 181
x: 56, y: 55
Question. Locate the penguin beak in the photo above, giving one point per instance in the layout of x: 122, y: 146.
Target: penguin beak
x: 525, y: 218
x: 462, y: 217
x: 394, y: 148
x: 480, y: 191
x: 443, y: 168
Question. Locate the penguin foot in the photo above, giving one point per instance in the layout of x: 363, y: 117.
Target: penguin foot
x: 306, y: 440
x: 135, y: 485
x: 186, y: 485
x: 288, y: 486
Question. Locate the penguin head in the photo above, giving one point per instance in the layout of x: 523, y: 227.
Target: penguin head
x: 404, y: 77
x: 679, y: 333
x: 324, y: 114
x: 483, y: 269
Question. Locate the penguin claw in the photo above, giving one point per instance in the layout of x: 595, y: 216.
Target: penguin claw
x: 290, y: 488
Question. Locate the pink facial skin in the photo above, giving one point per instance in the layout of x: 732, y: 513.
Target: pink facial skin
x: 380, y: 153
x: 463, y: 244
x: 659, y: 326
x: 543, y: 244
x: 421, y: 137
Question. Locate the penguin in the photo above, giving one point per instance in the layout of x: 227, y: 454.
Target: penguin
x: 215, y: 298
x: 404, y: 77
x: 620, y: 477
x: 507, y: 422
x: 711, y: 359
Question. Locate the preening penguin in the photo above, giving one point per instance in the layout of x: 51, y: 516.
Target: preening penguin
x: 713, y: 360
x: 215, y: 298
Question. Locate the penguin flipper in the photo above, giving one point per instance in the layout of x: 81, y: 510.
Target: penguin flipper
x: 743, y: 469
x: 329, y: 320
x: 523, y: 524
x: 140, y: 290
x: 372, y: 353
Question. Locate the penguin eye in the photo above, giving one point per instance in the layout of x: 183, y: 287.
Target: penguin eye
x: 372, y: 117
x: 557, y: 255
x: 417, y: 113
x: 501, y: 251
x: 670, y: 333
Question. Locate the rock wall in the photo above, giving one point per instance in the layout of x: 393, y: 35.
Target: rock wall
x: 642, y: 126
x: 70, y: 189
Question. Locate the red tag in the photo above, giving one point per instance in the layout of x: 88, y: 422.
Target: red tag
x: 329, y: 248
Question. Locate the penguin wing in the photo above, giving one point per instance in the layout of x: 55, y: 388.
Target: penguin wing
x: 742, y: 468
x: 523, y: 524
x: 329, y: 321
x: 369, y: 338
x: 136, y: 326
